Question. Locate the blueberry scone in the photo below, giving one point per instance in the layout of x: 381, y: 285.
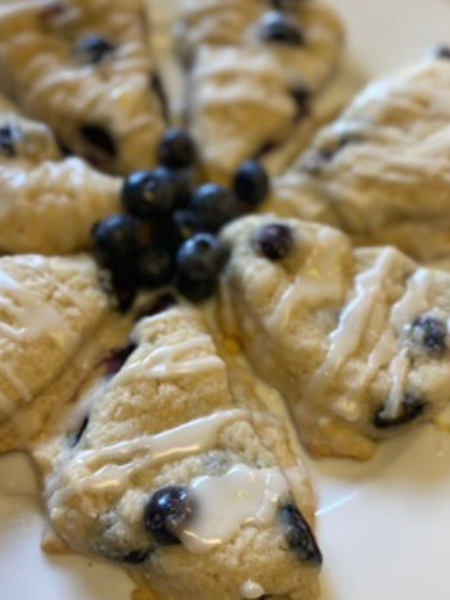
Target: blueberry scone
x: 253, y: 70
x: 170, y: 475
x: 84, y: 68
x: 381, y: 172
x: 356, y: 340
x: 48, y: 203
x: 50, y: 308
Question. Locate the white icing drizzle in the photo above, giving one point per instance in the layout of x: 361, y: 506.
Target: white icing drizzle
x: 414, y: 302
x: 250, y: 590
x: 141, y: 453
x: 241, y: 496
x: 169, y: 362
x: 347, y: 337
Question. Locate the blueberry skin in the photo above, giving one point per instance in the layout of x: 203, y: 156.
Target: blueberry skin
x: 412, y: 409
x: 154, y: 267
x: 201, y: 258
x: 136, y: 557
x: 168, y: 510
x: 274, y: 241
x: 251, y: 183
x: 432, y: 334
x: 94, y: 48
x: 116, y: 239
x: 148, y: 194
x: 299, y: 535
x: 215, y: 206
x: 280, y: 28
x: 196, y: 291
x: 7, y: 141
x: 186, y: 225
x: 177, y: 150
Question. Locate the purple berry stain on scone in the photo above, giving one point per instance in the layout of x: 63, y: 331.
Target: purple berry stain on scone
x: 274, y: 241
x: 431, y: 334
x: 299, y: 536
x: 116, y: 360
x: 167, y: 512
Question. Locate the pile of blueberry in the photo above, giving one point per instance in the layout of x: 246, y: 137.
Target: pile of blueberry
x: 167, y: 234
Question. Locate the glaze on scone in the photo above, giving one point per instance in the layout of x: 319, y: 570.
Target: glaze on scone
x: 49, y: 309
x: 48, y: 204
x: 84, y: 68
x: 165, y: 424
x: 247, y: 94
x: 381, y: 172
x: 356, y: 340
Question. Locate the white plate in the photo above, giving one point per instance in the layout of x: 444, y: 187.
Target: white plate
x: 382, y: 525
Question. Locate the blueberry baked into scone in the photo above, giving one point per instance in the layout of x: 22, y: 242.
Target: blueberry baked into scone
x: 254, y: 68
x: 48, y: 203
x: 84, y: 67
x: 52, y: 311
x: 174, y: 477
x: 355, y: 339
x: 381, y: 171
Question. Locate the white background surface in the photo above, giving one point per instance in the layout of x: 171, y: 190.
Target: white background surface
x: 384, y: 527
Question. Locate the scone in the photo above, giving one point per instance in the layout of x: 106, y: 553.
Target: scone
x: 200, y: 497
x: 84, y: 68
x: 48, y: 204
x: 381, y: 172
x: 356, y: 340
x: 50, y: 308
x: 253, y: 72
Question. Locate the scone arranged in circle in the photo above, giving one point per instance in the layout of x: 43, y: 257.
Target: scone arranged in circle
x: 381, y: 172
x: 253, y: 72
x: 84, y: 68
x: 356, y: 340
x: 48, y: 203
x: 168, y: 474
x: 50, y: 310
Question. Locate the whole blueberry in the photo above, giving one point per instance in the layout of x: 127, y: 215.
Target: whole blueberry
x: 154, y: 267
x: 215, y: 206
x: 7, y: 141
x: 412, y: 408
x: 94, y: 48
x: 184, y: 186
x: 251, y: 183
x: 177, y: 149
x: 167, y: 512
x: 124, y: 283
x: 432, y: 334
x: 274, y: 241
x: 279, y: 27
x: 195, y: 290
x: 116, y: 239
x: 186, y: 224
x: 299, y: 535
x: 149, y: 194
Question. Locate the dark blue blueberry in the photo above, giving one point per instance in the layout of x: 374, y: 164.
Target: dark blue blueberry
x: 154, y: 267
x: 215, y: 206
x: 125, y: 284
x: 177, y: 149
x: 167, y: 512
x: 136, y: 557
x: 186, y: 225
x: 299, y: 535
x: 149, y: 194
x: 252, y: 183
x: 94, y: 49
x: 281, y: 28
x: 274, y: 241
x: 115, y: 361
x: 443, y: 52
x: 8, y: 141
x: 116, y: 239
x: 412, y: 408
x: 194, y: 290
x: 431, y: 333
x: 184, y: 184
x: 101, y: 147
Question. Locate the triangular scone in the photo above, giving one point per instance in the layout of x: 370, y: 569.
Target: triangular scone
x: 48, y: 204
x: 248, y: 94
x: 381, y: 172
x: 356, y: 340
x: 49, y: 309
x: 165, y: 434
x: 84, y: 68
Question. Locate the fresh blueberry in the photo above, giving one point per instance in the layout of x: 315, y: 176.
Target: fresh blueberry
x: 125, y: 284
x: 101, y: 145
x: 274, y: 241
x: 115, y: 361
x: 177, y: 150
x: 281, y: 28
x: 194, y: 290
x: 214, y: 206
x: 154, y: 267
x: 186, y: 225
x: 148, y: 194
x: 184, y: 184
x: 116, y: 239
x: 167, y: 512
x: 299, y: 536
x: 251, y: 183
x: 7, y: 141
x: 94, y: 49
x: 432, y: 334
x: 412, y: 408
